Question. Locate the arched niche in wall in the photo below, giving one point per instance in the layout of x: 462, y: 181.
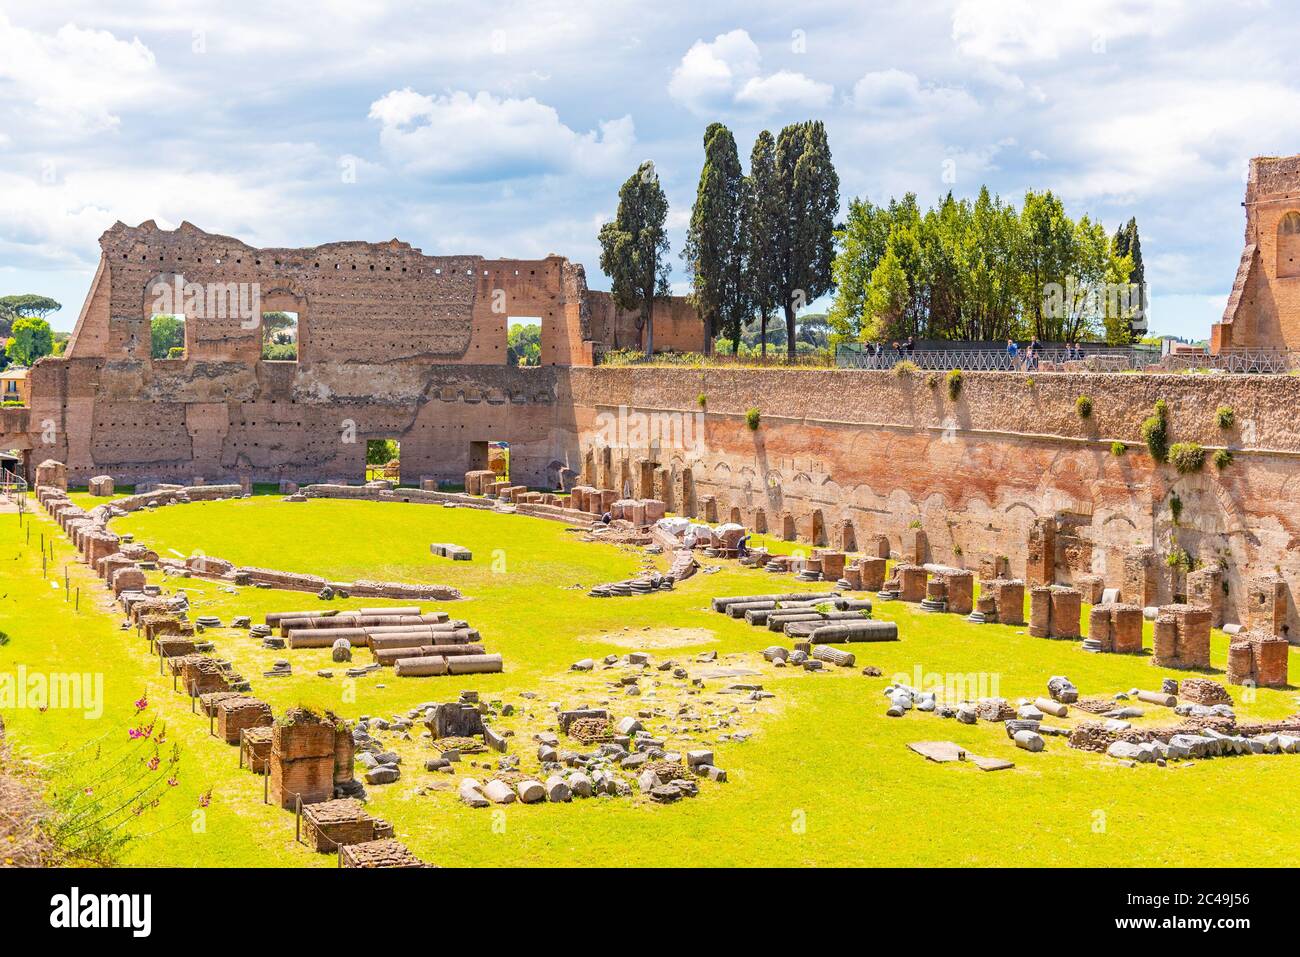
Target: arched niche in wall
x: 1288, y: 245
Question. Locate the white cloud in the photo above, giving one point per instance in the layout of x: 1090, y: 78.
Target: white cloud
x: 784, y: 90
x: 1011, y: 32
x: 725, y: 73
x: 486, y: 137
x: 74, y: 79
x: 895, y: 92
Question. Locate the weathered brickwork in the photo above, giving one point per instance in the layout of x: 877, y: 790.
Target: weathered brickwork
x: 1263, y: 308
x: 1007, y: 479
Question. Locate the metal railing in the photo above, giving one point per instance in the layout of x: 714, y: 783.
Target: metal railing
x: 994, y: 360
x: 12, y: 486
x: 1234, y: 361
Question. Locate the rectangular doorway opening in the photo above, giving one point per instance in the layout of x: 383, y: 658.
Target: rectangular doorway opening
x: 490, y: 454
x: 384, y: 460
x: 280, y: 336
x: 166, y: 336
x: 524, y: 341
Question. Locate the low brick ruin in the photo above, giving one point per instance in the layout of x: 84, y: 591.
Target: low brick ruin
x: 1181, y: 637
x: 1115, y: 627
x: 1258, y: 658
x: 1054, y: 611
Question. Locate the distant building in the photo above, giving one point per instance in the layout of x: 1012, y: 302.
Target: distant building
x: 1264, y: 307
x: 13, y: 386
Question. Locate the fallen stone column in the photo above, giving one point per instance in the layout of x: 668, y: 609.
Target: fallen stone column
x: 275, y: 618
x: 390, y: 656
x: 722, y: 604
x: 476, y: 665
x: 363, y: 621
x: 843, y: 659
x: 866, y: 630
x: 431, y: 665
x: 464, y: 636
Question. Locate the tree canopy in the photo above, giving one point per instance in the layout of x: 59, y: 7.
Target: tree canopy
x: 634, y: 248
x: 30, y: 338
x: 979, y: 270
x: 524, y: 345
x: 715, y: 240
x: 166, y: 337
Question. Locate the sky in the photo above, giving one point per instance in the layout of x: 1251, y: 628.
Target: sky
x: 505, y: 129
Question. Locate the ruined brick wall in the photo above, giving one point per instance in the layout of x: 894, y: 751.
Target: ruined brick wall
x: 1263, y: 308
x: 677, y: 326
x: 882, y: 451
x: 391, y: 344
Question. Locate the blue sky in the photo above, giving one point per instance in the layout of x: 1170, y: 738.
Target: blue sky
x: 505, y: 129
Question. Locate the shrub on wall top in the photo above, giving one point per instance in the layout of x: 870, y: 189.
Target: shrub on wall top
x: 1118, y: 448
x: 1222, y: 459
x: 906, y: 367
x: 752, y: 418
x: 1084, y: 405
x: 1156, y: 435
x: 1187, y: 457
x: 1225, y: 416
x: 954, y: 384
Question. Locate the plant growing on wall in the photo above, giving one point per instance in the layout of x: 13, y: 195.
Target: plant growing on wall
x: 1175, y: 507
x: 1180, y: 559
x: 1118, y: 448
x: 1222, y: 459
x: 905, y: 367
x: 1225, y: 416
x: 1187, y: 457
x: 752, y: 418
x: 702, y: 400
x: 1155, y: 432
x: 954, y: 384
x: 1084, y: 406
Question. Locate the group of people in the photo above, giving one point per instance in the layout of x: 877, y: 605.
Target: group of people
x: 1024, y: 360
x: 1033, y: 353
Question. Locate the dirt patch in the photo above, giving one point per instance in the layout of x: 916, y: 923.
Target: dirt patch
x: 638, y: 639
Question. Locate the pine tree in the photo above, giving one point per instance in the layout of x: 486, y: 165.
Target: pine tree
x: 763, y: 219
x: 714, y: 250
x: 634, y: 248
x: 809, y: 192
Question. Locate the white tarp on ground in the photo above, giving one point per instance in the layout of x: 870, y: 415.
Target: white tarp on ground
x: 674, y: 525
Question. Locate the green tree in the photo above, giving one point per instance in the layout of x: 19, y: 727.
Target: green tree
x: 30, y: 339
x: 524, y: 345
x: 888, y: 295
x: 634, y: 248
x: 27, y: 304
x: 381, y: 451
x: 714, y: 251
x: 809, y: 190
x: 1127, y: 243
x: 166, y: 332
x: 762, y: 220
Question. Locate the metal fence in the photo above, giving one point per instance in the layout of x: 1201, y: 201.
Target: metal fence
x: 12, y: 486
x: 1236, y: 361
x: 993, y: 360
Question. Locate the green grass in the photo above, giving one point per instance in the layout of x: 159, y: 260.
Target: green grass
x: 825, y: 779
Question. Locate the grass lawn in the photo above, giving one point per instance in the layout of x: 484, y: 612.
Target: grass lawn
x: 825, y: 779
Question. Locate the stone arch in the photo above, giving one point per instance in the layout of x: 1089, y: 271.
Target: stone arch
x: 1288, y: 245
x: 788, y: 532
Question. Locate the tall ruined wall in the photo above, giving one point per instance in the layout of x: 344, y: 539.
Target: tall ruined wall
x: 677, y: 325
x: 1263, y: 309
x: 391, y: 344
x: 891, y: 453
x: 357, y: 303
